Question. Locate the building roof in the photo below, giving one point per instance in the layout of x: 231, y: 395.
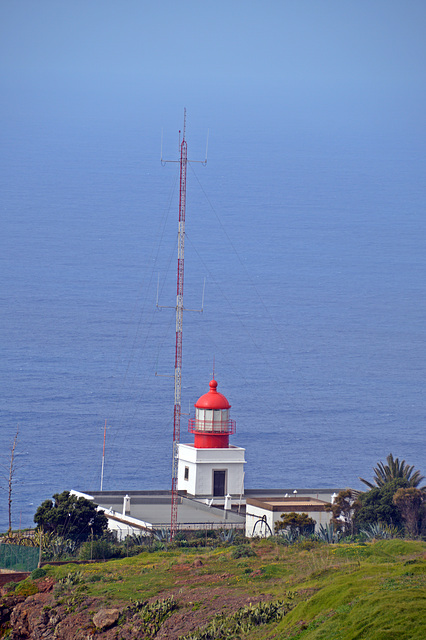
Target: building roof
x: 287, y: 505
x: 153, y: 508
x: 324, y: 493
x: 213, y: 399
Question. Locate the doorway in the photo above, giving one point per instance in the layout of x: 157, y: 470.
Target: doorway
x: 219, y: 482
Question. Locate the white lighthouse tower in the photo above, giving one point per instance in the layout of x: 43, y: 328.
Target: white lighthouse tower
x: 211, y: 467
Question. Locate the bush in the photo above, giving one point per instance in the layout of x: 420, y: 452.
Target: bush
x: 180, y: 537
x: 10, y: 587
x: 295, y: 523
x: 242, y: 621
x: 26, y: 588
x: 38, y: 573
x: 377, y: 505
x: 202, y: 533
x: 96, y: 577
x: 243, y: 551
x: 98, y: 550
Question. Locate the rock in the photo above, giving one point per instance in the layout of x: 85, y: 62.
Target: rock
x: 45, y: 585
x: 105, y: 618
x: 54, y: 618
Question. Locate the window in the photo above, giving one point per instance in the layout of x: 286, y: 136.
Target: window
x: 186, y: 473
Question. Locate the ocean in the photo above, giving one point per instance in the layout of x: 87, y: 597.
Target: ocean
x: 312, y: 245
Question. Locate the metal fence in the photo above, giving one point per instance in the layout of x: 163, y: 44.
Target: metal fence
x: 18, y: 558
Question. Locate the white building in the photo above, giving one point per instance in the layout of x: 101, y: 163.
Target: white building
x: 210, y: 486
x: 145, y: 512
x: 263, y: 513
x: 211, y: 468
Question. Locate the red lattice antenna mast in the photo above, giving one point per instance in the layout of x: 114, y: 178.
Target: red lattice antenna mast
x: 183, y: 161
x: 179, y: 321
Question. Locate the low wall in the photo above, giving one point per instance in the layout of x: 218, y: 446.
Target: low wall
x: 12, y: 576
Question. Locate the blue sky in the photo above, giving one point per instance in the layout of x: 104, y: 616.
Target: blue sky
x: 301, y: 41
x: 319, y: 55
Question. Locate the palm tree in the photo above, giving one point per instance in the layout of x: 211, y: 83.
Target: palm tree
x: 384, y: 473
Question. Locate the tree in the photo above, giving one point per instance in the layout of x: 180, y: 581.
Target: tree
x: 343, y: 509
x: 71, y: 517
x: 297, y: 523
x: 9, y: 476
x: 409, y: 502
x: 377, y: 505
x: 394, y: 469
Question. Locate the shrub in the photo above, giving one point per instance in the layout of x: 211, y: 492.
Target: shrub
x: 295, y: 523
x: 9, y: 587
x: 98, y: 550
x: 180, y: 537
x: 307, y: 545
x: 96, y: 577
x: 243, y: 551
x: 26, y: 588
x: 152, y: 615
x: 38, y: 573
x: 377, y: 505
x: 242, y: 621
x: 202, y: 533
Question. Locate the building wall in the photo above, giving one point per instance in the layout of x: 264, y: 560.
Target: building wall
x: 122, y: 530
x: 255, y: 513
x: 196, y: 467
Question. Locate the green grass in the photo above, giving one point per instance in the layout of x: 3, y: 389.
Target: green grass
x: 370, y: 591
x: 380, y: 596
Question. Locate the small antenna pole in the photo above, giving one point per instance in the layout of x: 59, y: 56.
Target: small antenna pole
x: 103, y: 457
x: 161, y: 153
x: 158, y: 287
x: 202, y: 299
x: 207, y: 145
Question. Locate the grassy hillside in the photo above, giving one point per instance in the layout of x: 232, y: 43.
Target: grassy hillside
x: 333, y: 592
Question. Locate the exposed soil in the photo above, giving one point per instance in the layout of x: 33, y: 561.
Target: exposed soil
x: 39, y: 617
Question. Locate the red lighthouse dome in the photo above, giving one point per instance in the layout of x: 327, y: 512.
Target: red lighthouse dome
x: 212, y: 425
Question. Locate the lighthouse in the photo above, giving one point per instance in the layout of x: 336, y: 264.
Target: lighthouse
x: 211, y: 467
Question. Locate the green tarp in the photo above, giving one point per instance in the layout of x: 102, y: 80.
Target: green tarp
x: 13, y: 556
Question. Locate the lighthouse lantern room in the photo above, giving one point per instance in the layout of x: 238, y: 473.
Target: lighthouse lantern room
x: 211, y: 467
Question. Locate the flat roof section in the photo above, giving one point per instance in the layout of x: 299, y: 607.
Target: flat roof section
x: 325, y: 494
x: 287, y: 505
x: 155, y: 508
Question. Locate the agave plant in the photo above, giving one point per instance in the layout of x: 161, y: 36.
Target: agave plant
x: 162, y: 535
x: 72, y: 578
x: 385, y: 473
x: 381, y: 531
x: 137, y: 539
x: 56, y: 547
x: 227, y: 535
x: 288, y: 536
x: 326, y: 533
